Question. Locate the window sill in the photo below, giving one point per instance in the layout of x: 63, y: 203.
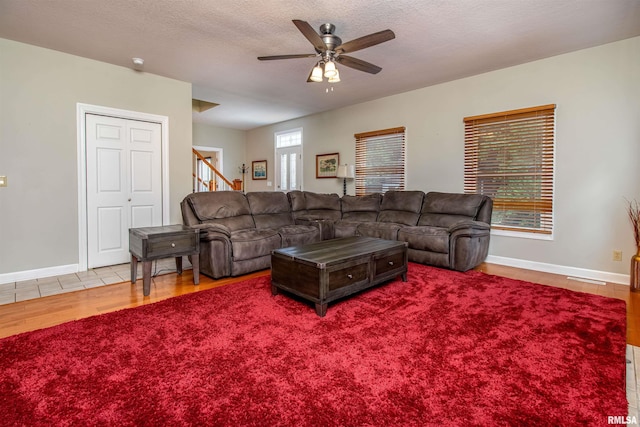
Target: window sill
x: 522, y: 235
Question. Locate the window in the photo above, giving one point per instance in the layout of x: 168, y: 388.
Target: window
x: 288, y: 160
x: 509, y: 157
x: 380, y: 161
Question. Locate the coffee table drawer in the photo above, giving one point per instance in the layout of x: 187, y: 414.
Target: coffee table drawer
x: 389, y: 263
x: 348, y: 276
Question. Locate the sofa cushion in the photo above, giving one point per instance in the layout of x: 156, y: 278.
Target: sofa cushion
x: 253, y: 243
x: 229, y: 208
x: 361, y: 208
x: 447, y: 209
x: 409, y: 201
x: 321, y: 201
x: 345, y: 228
x: 323, y: 206
x: 296, y: 235
x: 452, y: 204
x: 270, y: 209
x: 296, y: 200
x: 432, y: 239
x: 381, y: 230
x: 401, y: 207
x: 218, y: 204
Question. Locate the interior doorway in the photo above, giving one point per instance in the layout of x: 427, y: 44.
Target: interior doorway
x: 203, y: 174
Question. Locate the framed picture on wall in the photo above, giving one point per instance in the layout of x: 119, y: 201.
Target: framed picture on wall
x: 327, y: 165
x: 259, y: 169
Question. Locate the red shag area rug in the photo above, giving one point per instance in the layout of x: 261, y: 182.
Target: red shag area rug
x: 444, y: 348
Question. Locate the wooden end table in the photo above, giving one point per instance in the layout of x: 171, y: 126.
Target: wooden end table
x: 150, y: 243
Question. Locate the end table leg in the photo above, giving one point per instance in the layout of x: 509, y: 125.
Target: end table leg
x: 179, y: 264
x: 404, y: 276
x: 134, y: 269
x: 195, y: 263
x: 146, y: 278
x: 321, y: 309
x: 274, y: 289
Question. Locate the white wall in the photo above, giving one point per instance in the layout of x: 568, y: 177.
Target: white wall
x: 597, y: 92
x: 39, y: 90
x: 231, y: 141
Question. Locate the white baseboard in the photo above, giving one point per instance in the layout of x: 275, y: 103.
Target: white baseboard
x: 603, y: 276
x: 39, y: 273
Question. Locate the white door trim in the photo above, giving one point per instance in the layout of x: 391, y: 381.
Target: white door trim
x: 81, y: 111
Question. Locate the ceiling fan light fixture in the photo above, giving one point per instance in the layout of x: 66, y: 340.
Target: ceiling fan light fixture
x: 335, y: 79
x: 316, y: 74
x: 330, y: 69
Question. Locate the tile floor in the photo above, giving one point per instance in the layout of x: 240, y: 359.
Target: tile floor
x: 36, y: 288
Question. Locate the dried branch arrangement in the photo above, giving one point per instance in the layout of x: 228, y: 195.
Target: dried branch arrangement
x: 634, y: 215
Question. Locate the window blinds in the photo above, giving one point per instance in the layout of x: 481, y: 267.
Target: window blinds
x: 509, y: 156
x: 380, y: 161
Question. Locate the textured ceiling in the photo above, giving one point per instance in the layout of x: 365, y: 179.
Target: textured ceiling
x: 214, y: 44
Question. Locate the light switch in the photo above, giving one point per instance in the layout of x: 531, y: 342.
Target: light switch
x: 269, y: 183
x: 3, y: 181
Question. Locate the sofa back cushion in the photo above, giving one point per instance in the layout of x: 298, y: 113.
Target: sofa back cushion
x: 401, y: 207
x: 270, y: 209
x: 446, y: 209
x: 325, y: 206
x: 297, y: 203
x: 361, y: 208
x: 229, y: 208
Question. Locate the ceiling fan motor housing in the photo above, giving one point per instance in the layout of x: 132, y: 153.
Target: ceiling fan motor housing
x: 330, y: 40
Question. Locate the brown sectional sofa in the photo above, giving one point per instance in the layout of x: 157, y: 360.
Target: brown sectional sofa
x: 239, y: 230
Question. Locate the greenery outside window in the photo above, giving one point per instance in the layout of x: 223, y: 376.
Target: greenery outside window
x: 380, y: 161
x: 509, y: 156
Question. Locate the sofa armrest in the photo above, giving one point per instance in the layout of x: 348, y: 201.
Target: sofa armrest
x: 206, y: 229
x: 469, y: 227
x: 468, y: 244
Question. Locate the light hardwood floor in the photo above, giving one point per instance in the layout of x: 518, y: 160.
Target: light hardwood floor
x: 52, y: 310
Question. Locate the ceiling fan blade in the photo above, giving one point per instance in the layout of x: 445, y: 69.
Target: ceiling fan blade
x: 310, y: 34
x: 358, y: 64
x: 366, y: 41
x: 302, y: 55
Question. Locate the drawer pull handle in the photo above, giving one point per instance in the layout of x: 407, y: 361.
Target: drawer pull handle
x: 390, y: 262
x: 173, y: 245
x: 350, y: 276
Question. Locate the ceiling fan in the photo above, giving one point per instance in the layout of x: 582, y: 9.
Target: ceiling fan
x: 330, y: 49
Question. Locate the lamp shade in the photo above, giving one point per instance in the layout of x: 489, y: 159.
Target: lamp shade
x: 346, y: 171
x: 330, y: 69
x: 336, y: 78
x: 316, y: 74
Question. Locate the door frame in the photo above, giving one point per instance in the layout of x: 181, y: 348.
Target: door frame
x: 299, y: 165
x: 81, y: 111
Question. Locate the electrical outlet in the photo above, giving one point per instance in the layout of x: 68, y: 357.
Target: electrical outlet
x: 617, y: 255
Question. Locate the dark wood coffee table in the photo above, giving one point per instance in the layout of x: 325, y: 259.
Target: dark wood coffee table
x: 324, y: 271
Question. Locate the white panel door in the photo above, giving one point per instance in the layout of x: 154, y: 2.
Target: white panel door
x: 124, y: 184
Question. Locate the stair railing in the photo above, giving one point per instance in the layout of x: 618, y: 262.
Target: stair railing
x: 216, y: 184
